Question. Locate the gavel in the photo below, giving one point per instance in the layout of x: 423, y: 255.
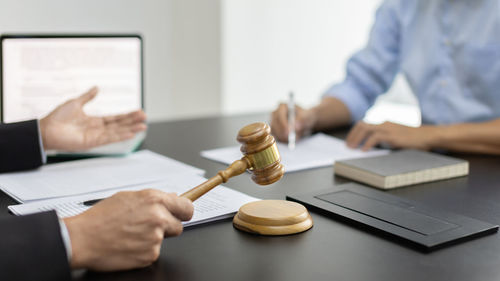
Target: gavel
x: 261, y: 158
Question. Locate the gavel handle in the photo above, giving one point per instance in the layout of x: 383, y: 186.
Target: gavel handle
x: 236, y: 168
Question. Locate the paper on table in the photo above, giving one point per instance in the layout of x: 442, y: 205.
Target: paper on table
x: 92, y: 175
x: 318, y: 150
x: 219, y: 203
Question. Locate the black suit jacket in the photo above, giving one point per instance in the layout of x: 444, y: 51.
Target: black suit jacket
x: 20, y: 146
x: 31, y: 247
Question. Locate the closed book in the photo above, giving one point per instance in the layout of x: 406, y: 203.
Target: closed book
x: 401, y: 168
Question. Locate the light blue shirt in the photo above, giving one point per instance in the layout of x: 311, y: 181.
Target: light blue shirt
x: 448, y: 50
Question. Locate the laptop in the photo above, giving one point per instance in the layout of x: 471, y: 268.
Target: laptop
x: 39, y: 72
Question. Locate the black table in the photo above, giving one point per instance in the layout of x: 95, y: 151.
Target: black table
x: 331, y: 250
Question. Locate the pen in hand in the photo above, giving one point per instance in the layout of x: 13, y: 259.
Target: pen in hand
x: 90, y: 203
x: 291, y: 122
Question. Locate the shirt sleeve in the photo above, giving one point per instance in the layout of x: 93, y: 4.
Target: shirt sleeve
x: 66, y: 239
x: 371, y: 71
x: 43, y: 155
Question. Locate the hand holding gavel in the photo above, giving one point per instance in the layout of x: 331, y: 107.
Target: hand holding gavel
x: 261, y: 158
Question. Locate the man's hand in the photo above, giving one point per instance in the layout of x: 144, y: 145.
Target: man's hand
x: 69, y: 128
x: 392, y: 134
x: 126, y: 230
x: 304, y: 122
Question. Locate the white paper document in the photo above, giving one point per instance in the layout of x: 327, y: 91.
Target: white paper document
x: 316, y: 151
x: 93, y: 175
x: 221, y: 202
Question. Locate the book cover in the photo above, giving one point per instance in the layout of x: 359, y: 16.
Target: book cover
x: 401, y: 168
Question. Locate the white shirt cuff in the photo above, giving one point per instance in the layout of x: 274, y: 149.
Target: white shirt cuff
x: 42, y: 151
x: 66, y: 239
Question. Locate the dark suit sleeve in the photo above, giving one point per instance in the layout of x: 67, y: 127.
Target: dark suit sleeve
x: 20, y: 147
x: 32, y: 248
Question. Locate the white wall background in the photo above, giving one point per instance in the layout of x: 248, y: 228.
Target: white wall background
x: 179, y: 54
x: 207, y: 57
x: 274, y: 46
x: 271, y: 47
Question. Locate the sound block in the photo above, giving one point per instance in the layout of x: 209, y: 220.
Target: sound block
x: 273, y: 217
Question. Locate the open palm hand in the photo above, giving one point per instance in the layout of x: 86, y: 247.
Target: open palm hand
x: 68, y: 127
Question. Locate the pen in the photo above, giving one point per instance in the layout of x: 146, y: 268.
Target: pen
x: 291, y: 122
x: 91, y: 202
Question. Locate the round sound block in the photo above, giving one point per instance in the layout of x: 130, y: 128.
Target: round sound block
x: 273, y: 217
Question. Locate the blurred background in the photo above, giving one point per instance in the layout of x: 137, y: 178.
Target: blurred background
x: 213, y: 57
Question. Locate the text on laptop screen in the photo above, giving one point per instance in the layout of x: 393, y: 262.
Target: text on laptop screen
x: 41, y: 73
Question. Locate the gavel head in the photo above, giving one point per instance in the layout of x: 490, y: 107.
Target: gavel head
x: 261, y: 152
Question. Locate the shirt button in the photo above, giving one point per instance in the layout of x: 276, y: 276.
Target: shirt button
x: 447, y: 42
x: 443, y: 83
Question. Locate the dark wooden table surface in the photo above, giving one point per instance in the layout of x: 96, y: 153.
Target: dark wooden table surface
x: 331, y: 250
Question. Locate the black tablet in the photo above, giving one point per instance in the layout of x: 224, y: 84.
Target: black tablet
x: 408, y: 221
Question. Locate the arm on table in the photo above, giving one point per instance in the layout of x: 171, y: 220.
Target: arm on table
x: 464, y: 137
x: 471, y: 137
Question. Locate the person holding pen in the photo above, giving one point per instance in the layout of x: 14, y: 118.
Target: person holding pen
x: 122, y: 232
x: 449, y: 51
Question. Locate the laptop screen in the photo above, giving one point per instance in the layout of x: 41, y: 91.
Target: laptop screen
x: 41, y: 72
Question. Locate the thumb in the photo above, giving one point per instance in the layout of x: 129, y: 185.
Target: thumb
x: 88, y: 96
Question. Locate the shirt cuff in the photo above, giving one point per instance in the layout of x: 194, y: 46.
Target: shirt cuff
x: 66, y: 239
x: 355, y: 101
x: 42, y: 151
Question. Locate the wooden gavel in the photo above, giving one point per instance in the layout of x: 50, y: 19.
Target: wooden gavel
x: 261, y: 158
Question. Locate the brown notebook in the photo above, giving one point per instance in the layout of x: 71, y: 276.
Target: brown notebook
x: 401, y: 168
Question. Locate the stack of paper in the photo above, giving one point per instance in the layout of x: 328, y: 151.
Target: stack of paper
x: 219, y: 203
x: 316, y: 151
x: 92, y: 175
x: 65, y: 186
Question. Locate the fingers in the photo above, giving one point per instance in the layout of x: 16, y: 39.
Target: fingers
x: 122, y: 129
x: 105, y: 135
x: 373, y: 140
x: 117, y: 128
x: 163, y: 223
x: 125, y: 119
x: 389, y: 134
x: 114, y: 136
x: 367, y: 135
x: 180, y: 207
x: 173, y: 226
x: 88, y: 96
x: 359, y: 133
x: 279, y: 123
x: 303, y: 122
x: 172, y: 210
